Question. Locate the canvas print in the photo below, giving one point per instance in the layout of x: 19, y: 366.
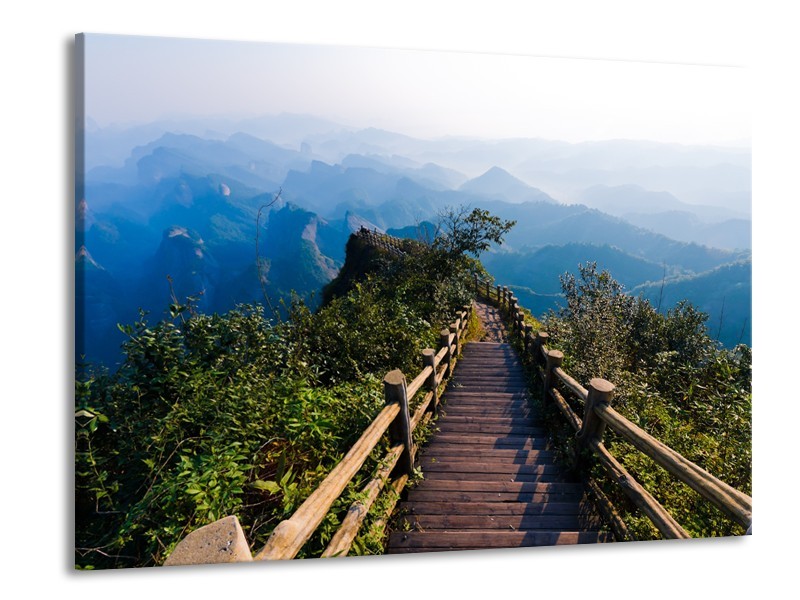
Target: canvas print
x: 337, y: 301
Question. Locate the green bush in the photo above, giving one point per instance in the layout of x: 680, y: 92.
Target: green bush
x: 186, y: 433
x: 212, y: 415
x: 672, y: 380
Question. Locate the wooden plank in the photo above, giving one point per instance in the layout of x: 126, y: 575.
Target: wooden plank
x: 468, y: 462
x: 491, y: 388
x: 518, y: 428
x: 517, y: 401
x: 485, y: 467
x: 453, y: 540
x: 418, y: 522
x: 546, y: 477
x: 469, y: 392
x: 457, y: 453
x: 477, y: 411
x: 455, y: 502
x: 499, y: 371
x: 513, y: 441
x: 475, y: 503
x: 513, y: 457
x: 483, y: 420
x: 490, y: 375
x: 515, y: 487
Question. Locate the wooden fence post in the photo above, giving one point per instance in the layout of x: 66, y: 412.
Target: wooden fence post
x: 444, y: 342
x: 429, y: 360
x: 467, y: 308
x: 513, y: 311
x: 542, y: 338
x: 554, y: 360
x: 454, y: 330
x: 600, y: 392
x: 488, y: 296
x: 394, y: 390
x: 505, y: 297
x: 528, y: 338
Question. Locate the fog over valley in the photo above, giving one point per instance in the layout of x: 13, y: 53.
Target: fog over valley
x: 179, y: 198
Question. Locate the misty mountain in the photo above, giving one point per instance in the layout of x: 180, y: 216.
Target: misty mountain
x: 684, y: 226
x: 181, y: 267
x: 663, y: 213
x: 110, y: 146
x: 425, y: 232
x: 184, y: 202
x: 541, y: 269
x: 246, y: 159
x: 723, y: 185
x: 429, y: 175
x: 498, y: 184
x: 541, y: 223
x: 623, y: 200
x: 724, y: 294
x: 98, y: 298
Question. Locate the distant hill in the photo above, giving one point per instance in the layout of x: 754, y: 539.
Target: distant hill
x: 541, y: 224
x: 498, y: 184
x: 541, y: 269
x: 662, y: 212
x: 181, y: 199
x: 724, y: 293
x: 425, y: 231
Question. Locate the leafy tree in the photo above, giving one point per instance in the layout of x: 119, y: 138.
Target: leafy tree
x: 469, y: 232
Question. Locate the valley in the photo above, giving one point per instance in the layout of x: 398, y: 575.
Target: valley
x: 168, y: 211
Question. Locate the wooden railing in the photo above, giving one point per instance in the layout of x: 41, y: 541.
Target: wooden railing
x: 597, y: 415
x: 224, y: 540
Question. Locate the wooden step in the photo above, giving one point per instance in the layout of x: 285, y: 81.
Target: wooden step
x: 509, y: 441
x: 456, y: 453
x: 502, y: 487
x: 420, y: 522
x: 489, y: 479
x: 518, y: 428
x: 481, y: 539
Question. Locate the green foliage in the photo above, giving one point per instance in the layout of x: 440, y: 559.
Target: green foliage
x: 200, y: 425
x: 462, y: 232
x: 672, y: 380
x: 213, y: 415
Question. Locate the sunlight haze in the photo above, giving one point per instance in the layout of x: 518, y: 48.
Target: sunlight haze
x: 426, y: 94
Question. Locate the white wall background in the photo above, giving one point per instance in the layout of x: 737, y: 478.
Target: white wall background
x: 36, y: 205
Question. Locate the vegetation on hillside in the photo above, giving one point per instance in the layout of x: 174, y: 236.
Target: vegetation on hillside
x: 673, y: 380
x: 212, y: 415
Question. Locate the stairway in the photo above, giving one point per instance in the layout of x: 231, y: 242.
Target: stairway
x: 490, y: 480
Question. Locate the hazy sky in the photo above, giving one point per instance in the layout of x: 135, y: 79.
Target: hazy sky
x: 421, y: 93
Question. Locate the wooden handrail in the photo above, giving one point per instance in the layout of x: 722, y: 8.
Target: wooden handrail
x: 394, y: 470
x: 290, y: 535
x: 301, y: 525
x: 419, y: 381
x: 643, y: 500
x: 737, y: 505
x: 580, y: 391
x: 734, y: 503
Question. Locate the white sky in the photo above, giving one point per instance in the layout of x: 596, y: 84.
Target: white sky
x: 421, y: 93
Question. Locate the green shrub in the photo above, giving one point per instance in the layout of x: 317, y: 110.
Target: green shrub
x: 672, y: 380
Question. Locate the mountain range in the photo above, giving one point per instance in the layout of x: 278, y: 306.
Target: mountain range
x: 236, y: 212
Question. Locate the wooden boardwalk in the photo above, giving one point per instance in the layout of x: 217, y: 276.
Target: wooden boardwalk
x: 489, y: 479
